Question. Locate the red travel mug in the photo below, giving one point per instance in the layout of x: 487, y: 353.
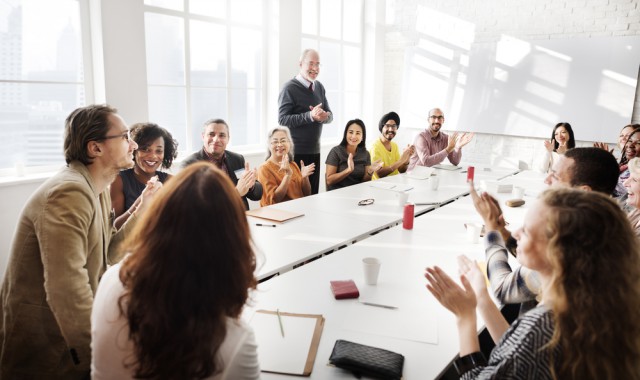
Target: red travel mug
x: 470, y: 172
x: 407, y: 218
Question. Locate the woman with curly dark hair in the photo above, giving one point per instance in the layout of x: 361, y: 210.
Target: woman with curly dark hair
x: 171, y: 309
x: 156, y: 150
x: 586, y: 326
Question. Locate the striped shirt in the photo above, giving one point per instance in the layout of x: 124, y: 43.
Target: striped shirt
x: 510, y: 286
x: 519, y: 354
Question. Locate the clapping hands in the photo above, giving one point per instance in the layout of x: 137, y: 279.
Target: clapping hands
x: 318, y: 114
x: 247, y: 180
x: 307, y: 170
x: 284, y: 165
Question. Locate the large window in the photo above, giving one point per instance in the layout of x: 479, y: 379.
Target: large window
x: 42, y: 79
x: 334, y: 28
x: 205, y: 60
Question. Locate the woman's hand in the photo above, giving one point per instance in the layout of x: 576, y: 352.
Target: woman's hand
x: 562, y: 148
x: 284, y: 165
x: 306, y: 171
x: 460, y: 301
x: 548, y: 144
x: 470, y: 270
x: 350, y: 164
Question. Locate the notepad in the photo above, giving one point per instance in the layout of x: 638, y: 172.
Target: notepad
x: 295, y: 352
x: 447, y: 167
x: 273, y: 214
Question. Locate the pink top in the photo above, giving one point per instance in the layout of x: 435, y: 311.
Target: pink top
x: 432, y: 150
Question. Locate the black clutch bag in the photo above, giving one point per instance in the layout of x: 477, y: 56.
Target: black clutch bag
x: 366, y: 360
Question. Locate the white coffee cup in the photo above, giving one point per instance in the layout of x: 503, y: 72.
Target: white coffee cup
x: 473, y: 233
x: 403, y: 197
x: 435, y: 181
x: 518, y: 192
x: 371, y: 267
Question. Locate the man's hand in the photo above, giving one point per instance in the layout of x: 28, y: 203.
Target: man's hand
x: 376, y: 165
x: 318, y: 114
x: 453, y: 140
x: 307, y: 170
x: 463, y: 140
x: 407, y: 153
x: 246, y: 181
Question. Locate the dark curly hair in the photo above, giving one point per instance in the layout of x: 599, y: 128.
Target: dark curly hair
x: 145, y: 133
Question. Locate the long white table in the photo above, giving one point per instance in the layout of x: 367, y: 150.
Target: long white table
x: 334, y: 219
x: 437, y: 238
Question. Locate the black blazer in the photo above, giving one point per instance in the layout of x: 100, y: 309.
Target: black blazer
x: 233, y: 161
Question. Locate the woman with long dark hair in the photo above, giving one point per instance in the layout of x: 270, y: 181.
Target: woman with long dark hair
x: 562, y: 139
x: 171, y: 308
x: 350, y: 163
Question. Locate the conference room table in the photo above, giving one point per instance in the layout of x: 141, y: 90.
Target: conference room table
x: 333, y: 219
x: 420, y: 329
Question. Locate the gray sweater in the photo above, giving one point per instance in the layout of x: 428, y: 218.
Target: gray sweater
x: 294, y: 112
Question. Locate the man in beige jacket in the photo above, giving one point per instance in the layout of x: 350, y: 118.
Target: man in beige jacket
x: 63, y: 243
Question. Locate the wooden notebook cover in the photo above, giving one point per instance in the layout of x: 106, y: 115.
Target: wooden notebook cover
x: 273, y: 214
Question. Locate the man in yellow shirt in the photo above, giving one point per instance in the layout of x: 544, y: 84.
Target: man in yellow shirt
x: 387, y: 151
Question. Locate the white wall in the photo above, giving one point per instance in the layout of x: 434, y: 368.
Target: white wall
x: 489, y: 20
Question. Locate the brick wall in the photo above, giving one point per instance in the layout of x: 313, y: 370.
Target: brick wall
x: 523, y: 19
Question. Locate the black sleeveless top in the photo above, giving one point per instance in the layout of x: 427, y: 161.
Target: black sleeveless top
x: 132, y: 188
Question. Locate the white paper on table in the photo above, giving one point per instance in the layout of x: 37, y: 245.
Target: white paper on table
x: 420, y: 172
x: 418, y: 323
x: 286, y: 354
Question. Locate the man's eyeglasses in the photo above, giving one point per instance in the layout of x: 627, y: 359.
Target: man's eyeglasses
x: 392, y: 126
x: 125, y: 136
x: 434, y: 117
x: 281, y: 142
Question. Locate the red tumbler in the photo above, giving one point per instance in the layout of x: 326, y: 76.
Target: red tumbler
x: 407, y: 218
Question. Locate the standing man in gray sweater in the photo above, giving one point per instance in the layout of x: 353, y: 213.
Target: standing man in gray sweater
x: 303, y: 107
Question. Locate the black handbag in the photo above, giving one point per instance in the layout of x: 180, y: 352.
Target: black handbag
x: 366, y: 360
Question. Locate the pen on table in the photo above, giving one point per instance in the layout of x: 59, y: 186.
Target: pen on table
x: 280, y: 321
x: 265, y: 225
x: 378, y: 305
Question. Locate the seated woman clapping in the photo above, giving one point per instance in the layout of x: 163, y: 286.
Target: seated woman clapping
x: 281, y: 178
x: 586, y: 326
x: 350, y: 163
x: 171, y: 309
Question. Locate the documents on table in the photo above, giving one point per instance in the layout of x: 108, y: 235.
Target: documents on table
x: 420, y: 172
x: 447, y: 167
x: 273, y: 214
x: 287, y: 342
x: 390, y: 186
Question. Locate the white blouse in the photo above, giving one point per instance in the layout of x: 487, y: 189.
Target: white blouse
x: 111, y: 347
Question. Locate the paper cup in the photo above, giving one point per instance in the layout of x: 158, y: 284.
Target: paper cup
x: 473, y: 233
x: 371, y: 267
x: 518, y: 192
x: 403, y: 197
x: 435, y: 181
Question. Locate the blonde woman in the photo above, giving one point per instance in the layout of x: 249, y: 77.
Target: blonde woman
x: 586, y: 326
